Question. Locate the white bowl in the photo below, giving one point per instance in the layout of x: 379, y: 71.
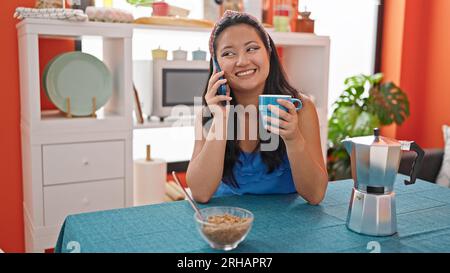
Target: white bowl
x: 224, y: 236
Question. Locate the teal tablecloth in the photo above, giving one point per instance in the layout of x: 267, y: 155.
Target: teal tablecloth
x: 283, y: 223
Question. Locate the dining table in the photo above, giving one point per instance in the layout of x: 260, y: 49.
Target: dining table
x: 283, y: 223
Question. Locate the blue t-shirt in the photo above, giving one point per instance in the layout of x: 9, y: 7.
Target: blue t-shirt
x: 252, y: 177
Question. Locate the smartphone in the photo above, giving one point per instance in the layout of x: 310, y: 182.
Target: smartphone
x: 222, y: 90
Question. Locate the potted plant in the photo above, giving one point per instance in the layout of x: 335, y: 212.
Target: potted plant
x: 366, y: 103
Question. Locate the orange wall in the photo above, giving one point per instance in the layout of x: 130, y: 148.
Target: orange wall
x: 11, y: 222
x: 11, y: 216
x: 394, y: 15
x: 48, y: 49
x: 412, y: 73
x: 437, y: 86
x: 416, y: 56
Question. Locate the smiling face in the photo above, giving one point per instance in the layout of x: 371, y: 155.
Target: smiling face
x: 242, y: 55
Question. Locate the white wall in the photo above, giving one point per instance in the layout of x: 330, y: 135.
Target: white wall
x: 351, y: 25
x: 170, y: 144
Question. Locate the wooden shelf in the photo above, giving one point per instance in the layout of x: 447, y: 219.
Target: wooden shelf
x: 116, y: 55
x: 171, y: 28
x: 59, y: 27
x: 63, y: 28
x: 280, y: 38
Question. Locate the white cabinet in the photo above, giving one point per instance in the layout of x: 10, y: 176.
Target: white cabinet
x: 63, y: 200
x: 76, y: 162
x: 73, y: 165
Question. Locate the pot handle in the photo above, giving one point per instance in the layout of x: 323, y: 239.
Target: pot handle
x: 417, y: 163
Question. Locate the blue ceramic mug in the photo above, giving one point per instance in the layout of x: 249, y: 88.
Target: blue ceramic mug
x: 265, y: 100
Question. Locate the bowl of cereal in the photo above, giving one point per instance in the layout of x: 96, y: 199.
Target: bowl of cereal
x: 224, y: 227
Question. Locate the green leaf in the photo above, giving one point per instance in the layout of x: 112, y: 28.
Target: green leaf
x: 389, y: 103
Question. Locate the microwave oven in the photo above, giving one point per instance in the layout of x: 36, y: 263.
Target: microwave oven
x: 165, y: 84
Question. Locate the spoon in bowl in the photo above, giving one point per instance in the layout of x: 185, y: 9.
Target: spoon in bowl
x: 190, y: 199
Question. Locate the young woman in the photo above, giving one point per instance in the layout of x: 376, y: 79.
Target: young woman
x: 221, y: 165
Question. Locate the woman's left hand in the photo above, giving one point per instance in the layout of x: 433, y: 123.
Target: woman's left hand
x: 286, y: 124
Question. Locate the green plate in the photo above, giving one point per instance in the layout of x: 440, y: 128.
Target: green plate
x: 44, y: 76
x: 81, y: 77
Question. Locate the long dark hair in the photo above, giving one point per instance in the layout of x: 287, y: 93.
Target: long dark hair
x: 276, y: 83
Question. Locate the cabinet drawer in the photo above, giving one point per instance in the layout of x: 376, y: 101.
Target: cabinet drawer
x: 77, y: 162
x: 63, y: 200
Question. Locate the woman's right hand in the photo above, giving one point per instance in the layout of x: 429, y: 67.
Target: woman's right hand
x: 213, y: 100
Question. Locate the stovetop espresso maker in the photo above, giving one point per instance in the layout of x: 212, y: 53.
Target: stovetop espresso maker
x: 374, y: 164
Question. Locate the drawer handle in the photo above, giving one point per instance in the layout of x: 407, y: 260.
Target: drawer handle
x: 85, y: 201
x: 85, y: 161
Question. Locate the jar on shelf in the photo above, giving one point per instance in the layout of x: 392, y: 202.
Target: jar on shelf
x: 281, y: 18
x: 199, y: 55
x: 304, y: 23
x: 159, y: 54
x: 179, y: 54
x: 160, y: 8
